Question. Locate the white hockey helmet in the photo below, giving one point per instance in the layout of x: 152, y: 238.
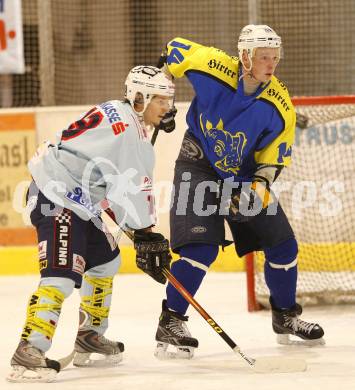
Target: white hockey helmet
x: 253, y: 36
x: 148, y: 81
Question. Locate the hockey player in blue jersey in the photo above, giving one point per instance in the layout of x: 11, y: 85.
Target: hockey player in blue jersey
x: 103, y: 161
x: 241, y: 127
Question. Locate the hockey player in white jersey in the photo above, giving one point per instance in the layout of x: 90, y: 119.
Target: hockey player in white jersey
x: 103, y: 161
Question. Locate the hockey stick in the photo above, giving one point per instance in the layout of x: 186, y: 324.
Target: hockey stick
x: 266, y: 364
x: 154, y: 136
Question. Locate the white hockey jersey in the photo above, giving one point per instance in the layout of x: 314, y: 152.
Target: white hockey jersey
x: 104, y: 159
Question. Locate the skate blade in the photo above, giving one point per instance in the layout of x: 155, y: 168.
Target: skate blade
x: 162, y: 353
x: 274, y: 364
x: 21, y: 374
x: 89, y: 359
x: 285, y: 339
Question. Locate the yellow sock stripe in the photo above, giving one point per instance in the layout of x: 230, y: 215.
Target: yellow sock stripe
x: 96, y: 296
x: 103, y: 283
x: 41, y: 326
x: 43, y: 307
x: 90, y: 303
x: 35, y: 323
x: 52, y: 293
x: 95, y: 311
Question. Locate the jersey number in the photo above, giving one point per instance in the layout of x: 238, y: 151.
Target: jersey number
x: 89, y: 121
x: 175, y: 56
x: 283, y: 152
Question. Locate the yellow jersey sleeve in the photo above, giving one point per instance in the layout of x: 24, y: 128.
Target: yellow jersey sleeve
x: 184, y: 55
x: 279, y: 150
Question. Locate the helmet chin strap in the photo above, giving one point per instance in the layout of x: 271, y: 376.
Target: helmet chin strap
x: 148, y: 128
x: 249, y: 70
x: 247, y: 75
x: 140, y: 114
x: 250, y: 75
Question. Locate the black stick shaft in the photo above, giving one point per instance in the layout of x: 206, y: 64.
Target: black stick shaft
x: 154, y: 136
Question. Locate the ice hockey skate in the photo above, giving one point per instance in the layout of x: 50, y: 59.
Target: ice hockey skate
x: 172, y: 331
x: 286, y: 322
x: 92, y: 349
x: 29, y: 364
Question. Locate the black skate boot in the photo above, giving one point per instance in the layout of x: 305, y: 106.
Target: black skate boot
x: 286, y: 322
x: 172, y: 330
x: 89, y: 342
x: 29, y: 364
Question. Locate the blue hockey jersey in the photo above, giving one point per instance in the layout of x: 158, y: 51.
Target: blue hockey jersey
x: 237, y: 132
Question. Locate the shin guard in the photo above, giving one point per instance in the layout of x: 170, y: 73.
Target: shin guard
x: 95, y: 304
x: 42, y: 316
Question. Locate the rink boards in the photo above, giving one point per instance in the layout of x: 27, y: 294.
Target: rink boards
x: 22, y: 260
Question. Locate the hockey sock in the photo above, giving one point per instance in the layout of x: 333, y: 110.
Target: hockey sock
x: 281, y: 273
x: 95, y: 303
x: 96, y: 295
x: 190, y: 270
x: 43, y: 311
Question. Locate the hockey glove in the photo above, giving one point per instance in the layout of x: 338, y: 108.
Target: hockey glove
x: 152, y: 254
x: 167, y: 124
x: 162, y: 59
x: 249, y: 201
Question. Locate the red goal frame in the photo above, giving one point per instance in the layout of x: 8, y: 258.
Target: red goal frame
x: 253, y: 304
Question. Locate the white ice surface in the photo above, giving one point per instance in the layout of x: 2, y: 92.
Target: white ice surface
x: 134, y: 316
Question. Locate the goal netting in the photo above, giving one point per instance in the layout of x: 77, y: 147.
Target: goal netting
x: 78, y: 52
x: 318, y: 197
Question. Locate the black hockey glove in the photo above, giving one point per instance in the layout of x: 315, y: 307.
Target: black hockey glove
x: 249, y: 201
x: 152, y: 254
x: 162, y: 59
x: 167, y: 124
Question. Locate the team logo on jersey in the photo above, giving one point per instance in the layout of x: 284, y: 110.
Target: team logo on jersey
x: 227, y: 147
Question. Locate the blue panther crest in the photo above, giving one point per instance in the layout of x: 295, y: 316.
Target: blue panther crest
x: 229, y: 148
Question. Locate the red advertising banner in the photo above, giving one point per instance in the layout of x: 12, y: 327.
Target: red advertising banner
x: 11, y: 39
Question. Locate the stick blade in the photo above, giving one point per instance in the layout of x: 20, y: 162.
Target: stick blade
x: 65, y: 361
x: 275, y: 364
